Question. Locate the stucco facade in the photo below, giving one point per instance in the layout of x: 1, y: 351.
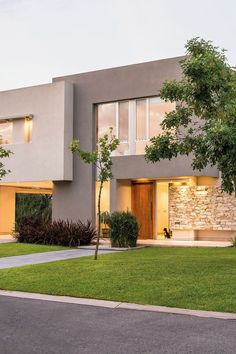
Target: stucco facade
x: 67, y: 109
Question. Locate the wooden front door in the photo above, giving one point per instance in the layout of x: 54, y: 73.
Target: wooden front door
x: 142, y: 208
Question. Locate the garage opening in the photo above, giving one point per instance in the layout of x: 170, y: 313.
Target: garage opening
x: 23, y: 199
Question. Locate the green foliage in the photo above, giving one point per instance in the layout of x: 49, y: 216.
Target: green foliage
x: 124, y: 229
x: 207, y: 91
x: 33, y: 205
x: 185, y: 277
x: 103, y: 162
x: 19, y: 249
x: 3, y: 154
x: 233, y: 241
x: 101, y: 158
x: 105, y: 218
x: 58, y: 232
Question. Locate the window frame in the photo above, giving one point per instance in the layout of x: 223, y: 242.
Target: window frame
x: 132, y: 122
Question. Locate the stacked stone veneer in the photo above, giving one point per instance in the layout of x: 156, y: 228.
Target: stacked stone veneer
x: 201, y: 208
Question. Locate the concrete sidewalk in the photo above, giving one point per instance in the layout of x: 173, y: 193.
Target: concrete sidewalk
x: 36, y: 258
x: 118, y: 305
x: 6, y: 239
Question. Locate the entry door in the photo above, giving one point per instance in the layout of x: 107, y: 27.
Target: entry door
x: 142, y: 208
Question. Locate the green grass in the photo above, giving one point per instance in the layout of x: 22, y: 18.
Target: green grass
x: 179, y: 277
x: 19, y: 249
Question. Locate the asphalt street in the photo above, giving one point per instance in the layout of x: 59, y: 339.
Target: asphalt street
x: 43, y: 327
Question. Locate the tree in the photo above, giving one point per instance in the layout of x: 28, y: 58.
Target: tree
x: 101, y: 159
x: 3, y: 154
x: 204, y: 121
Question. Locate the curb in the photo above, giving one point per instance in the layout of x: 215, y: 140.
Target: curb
x: 119, y: 305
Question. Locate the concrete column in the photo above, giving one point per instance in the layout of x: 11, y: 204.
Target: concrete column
x: 7, y: 210
x: 120, y: 195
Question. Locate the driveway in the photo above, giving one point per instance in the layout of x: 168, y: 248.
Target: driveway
x: 41, y: 327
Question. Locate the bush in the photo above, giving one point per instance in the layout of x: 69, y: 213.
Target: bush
x: 124, y: 229
x: 59, y: 232
x: 233, y: 241
x: 33, y: 205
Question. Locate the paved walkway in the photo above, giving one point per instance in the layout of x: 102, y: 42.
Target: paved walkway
x: 105, y: 243
x: 182, y: 243
x: 36, y: 258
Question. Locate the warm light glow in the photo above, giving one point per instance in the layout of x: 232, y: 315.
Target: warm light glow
x: 105, y: 198
x: 28, y: 129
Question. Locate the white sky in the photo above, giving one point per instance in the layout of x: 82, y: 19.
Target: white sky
x: 41, y: 39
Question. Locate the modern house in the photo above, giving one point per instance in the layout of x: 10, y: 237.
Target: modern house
x: 38, y: 123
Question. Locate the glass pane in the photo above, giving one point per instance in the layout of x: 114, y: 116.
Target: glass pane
x: 123, y: 120
x: 141, y: 120
x: 140, y: 147
x: 122, y: 149
x: 157, y: 112
x: 106, y: 118
x: 6, y: 132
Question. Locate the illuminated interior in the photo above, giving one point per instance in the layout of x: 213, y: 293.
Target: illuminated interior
x: 160, y: 200
x: 8, y: 193
x: 105, y: 198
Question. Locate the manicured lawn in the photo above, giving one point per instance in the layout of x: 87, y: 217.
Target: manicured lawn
x: 18, y: 249
x: 178, y: 277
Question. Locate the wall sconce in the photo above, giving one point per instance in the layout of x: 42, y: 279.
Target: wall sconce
x: 28, y: 128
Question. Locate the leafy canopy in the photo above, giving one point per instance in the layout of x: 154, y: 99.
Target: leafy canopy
x: 100, y: 158
x: 3, y: 154
x: 204, y: 121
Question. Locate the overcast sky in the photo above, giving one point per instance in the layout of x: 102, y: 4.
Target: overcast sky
x: 41, y: 39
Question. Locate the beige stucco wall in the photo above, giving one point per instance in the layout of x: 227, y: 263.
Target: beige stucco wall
x: 204, y: 208
x: 7, y: 210
x: 47, y: 156
x: 120, y: 195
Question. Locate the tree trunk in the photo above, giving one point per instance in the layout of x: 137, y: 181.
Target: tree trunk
x: 99, y: 220
x: 234, y: 179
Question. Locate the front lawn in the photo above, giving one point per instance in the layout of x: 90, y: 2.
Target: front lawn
x: 19, y: 249
x: 179, y: 277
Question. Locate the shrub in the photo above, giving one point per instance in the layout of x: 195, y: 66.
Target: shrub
x: 233, y: 241
x: 124, y: 229
x: 33, y: 205
x: 58, y: 232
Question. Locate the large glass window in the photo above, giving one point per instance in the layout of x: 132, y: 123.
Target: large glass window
x: 123, y: 121
x: 141, y: 120
x: 157, y: 112
x: 6, y: 129
x: 106, y: 118
x: 134, y: 122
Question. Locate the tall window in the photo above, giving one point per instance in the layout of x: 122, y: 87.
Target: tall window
x: 134, y: 122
